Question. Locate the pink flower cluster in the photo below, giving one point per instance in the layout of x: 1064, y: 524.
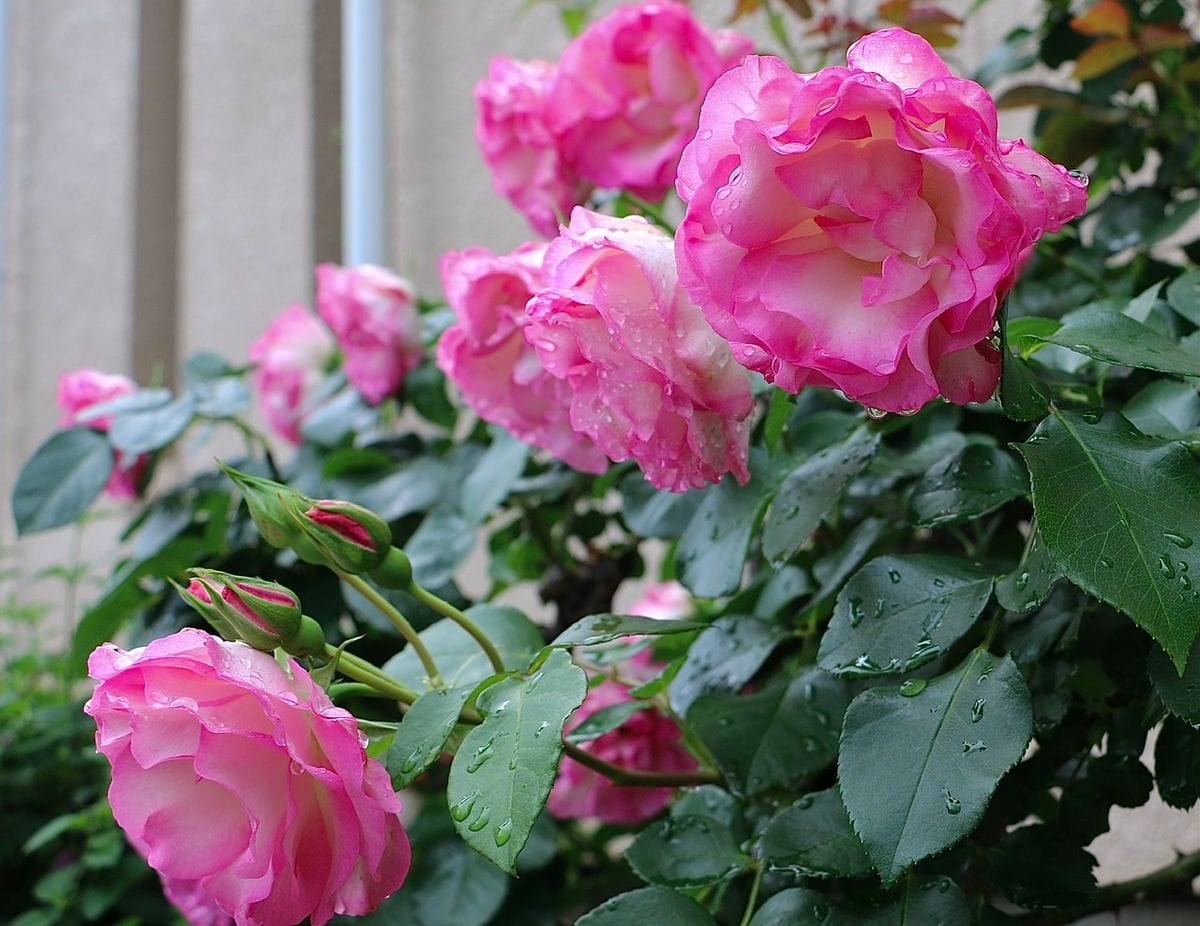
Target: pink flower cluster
x: 79, y: 391
x: 590, y: 348
x: 616, y: 110
x: 375, y: 322
x: 857, y: 228
x: 243, y: 785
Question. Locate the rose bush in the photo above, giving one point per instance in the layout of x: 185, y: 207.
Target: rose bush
x: 242, y: 784
x: 858, y: 227
x: 649, y: 379
x: 290, y: 358
x: 80, y: 390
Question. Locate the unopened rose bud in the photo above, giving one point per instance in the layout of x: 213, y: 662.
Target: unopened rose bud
x: 263, y: 614
x: 395, y: 571
x: 269, y: 503
x: 349, y: 537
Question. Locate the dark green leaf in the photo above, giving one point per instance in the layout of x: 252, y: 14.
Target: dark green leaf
x: 774, y: 738
x: 784, y: 586
x: 648, y: 905
x: 686, y: 852
x: 604, y: 628
x: 1039, y: 634
x: 1180, y: 693
x: 1030, y: 333
x: 780, y: 409
x: 1023, y: 395
x: 652, y: 512
x: 605, y: 720
x: 834, y: 569
x: 61, y: 480
x: 1116, y: 338
x: 502, y: 772
x: 814, y: 838
x: 1118, y: 512
x: 1036, y: 867
x: 1027, y: 586
x: 439, y: 546
x: 916, y: 903
x: 1181, y: 213
x: 459, y: 658
x: 978, y: 480
x: 811, y: 489
x: 1183, y: 295
x: 917, y: 770
x: 423, y: 733
x: 135, y: 432
x: 899, y: 612
x: 425, y: 388
x: 498, y: 469
x: 712, y: 549
x: 1177, y: 764
x: 408, y: 487
x: 1166, y: 409
x: 723, y: 658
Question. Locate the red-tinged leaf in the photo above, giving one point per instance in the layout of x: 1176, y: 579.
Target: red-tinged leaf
x: 1160, y: 38
x: 1037, y: 95
x: 1105, y: 18
x: 744, y: 8
x: 1103, y: 57
x: 801, y: 8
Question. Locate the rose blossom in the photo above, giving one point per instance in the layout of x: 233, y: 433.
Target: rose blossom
x: 196, y: 906
x: 625, y: 98
x: 649, y: 379
x: 290, y: 359
x: 664, y: 601
x: 857, y: 228
x: 374, y: 315
x: 648, y: 741
x: 518, y: 146
x: 486, y: 355
x: 81, y: 390
x: 242, y: 784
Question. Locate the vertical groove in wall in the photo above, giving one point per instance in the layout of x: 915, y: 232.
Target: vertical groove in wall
x: 156, y: 227
x: 326, y: 51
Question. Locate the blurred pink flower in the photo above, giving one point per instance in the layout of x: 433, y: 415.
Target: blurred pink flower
x: 80, y: 390
x: 290, y: 359
x: 664, y: 601
x: 242, y: 784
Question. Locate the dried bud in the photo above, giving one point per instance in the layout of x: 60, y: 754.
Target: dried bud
x: 349, y: 537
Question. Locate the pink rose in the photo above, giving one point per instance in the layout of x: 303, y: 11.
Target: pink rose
x: 81, y: 390
x: 518, y: 146
x: 196, y: 906
x: 242, y: 784
x: 649, y: 379
x: 290, y: 360
x: 374, y: 315
x: 627, y: 92
x: 857, y: 228
x: 486, y: 355
x: 664, y: 601
x: 647, y: 741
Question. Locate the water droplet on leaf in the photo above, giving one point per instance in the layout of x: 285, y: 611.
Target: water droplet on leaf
x: 913, y: 687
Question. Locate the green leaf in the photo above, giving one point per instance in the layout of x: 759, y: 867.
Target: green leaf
x: 686, y: 852
x: 1118, y: 512
x: 779, y: 410
x: 648, y: 905
x: 502, y: 772
x: 723, y: 658
x: 439, y: 546
x: 224, y: 397
x: 814, y: 838
x: 917, y: 771
x: 61, y: 480
x: 1179, y: 692
x: 916, y: 903
x: 899, y: 612
x: 652, y: 512
x: 459, y: 658
x: 774, y: 738
x: 604, y: 628
x: 1116, y: 338
x: 1177, y: 764
x: 1038, y: 868
x: 143, y: 431
x: 1165, y: 408
x: 1030, y: 333
x: 978, y: 480
x: 425, y: 388
x: 712, y: 550
x: 423, y: 733
x: 810, y: 490
x: 1027, y: 586
x: 605, y: 720
x: 1183, y: 294
x: 1023, y: 396
x: 498, y: 469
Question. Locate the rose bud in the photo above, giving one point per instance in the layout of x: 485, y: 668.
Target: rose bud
x: 268, y: 503
x: 349, y: 537
x: 263, y: 614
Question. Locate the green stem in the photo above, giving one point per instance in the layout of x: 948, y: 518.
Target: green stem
x: 360, y: 670
x: 638, y: 778
x: 753, y: 901
x: 399, y: 621
x: 650, y: 211
x: 446, y: 609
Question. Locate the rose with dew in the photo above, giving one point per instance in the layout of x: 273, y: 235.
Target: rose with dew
x: 79, y: 391
x: 374, y: 315
x: 857, y: 228
x: 486, y: 356
x: 289, y: 360
x: 648, y: 740
x: 520, y: 149
x: 625, y: 97
x: 242, y: 784
x: 649, y: 379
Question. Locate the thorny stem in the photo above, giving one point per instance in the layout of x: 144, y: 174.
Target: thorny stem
x: 446, y: 609
x: 399, y: 621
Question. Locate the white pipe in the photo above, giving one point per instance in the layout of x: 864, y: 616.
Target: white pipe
x: 363, y: 143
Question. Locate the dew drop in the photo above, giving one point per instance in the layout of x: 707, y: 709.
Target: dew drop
x: 953, y: 804
x: 296, y: 768
x: 977, y: 746
x: 977, y: 710
x: 1078, y: 176
x: 480, y: 821
x: 1165, y: 567
x: 894, y: 575
x: 875, y: 414
x: 913, y: 687
x: 410, y: 763
x: 938, y: 582
x: 856, y: 612
x: 481, y: 756
x: 461, y: 809
x: 805, y: 802
x: 1022, y: 581
x: 1105, y: 562
x: 705, y: 135
x: 503, y: 833
x: 1178, y: 539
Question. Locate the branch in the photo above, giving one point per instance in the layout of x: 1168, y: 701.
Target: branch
x: 638, y: 778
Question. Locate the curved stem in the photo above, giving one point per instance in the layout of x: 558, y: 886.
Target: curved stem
x: 399, y: 621
x: 446, y: 609
x: 360, y: 670
x: 638, y: 778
